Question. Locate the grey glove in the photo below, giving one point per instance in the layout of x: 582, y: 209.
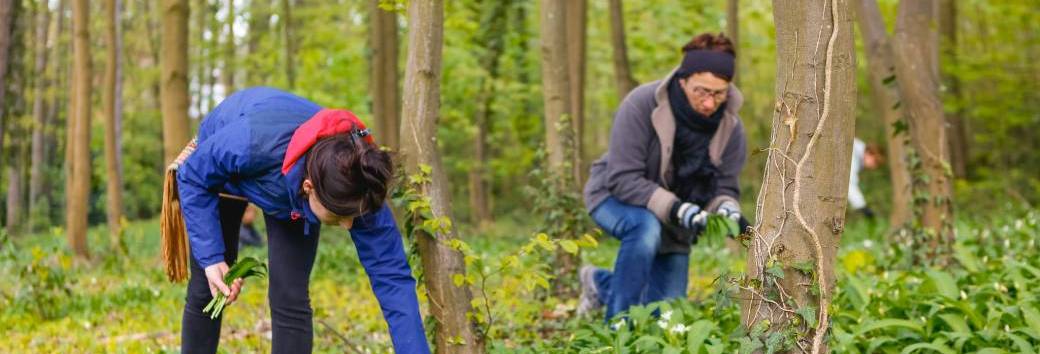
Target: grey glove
x: 730, y: 210
x: 689, y: 215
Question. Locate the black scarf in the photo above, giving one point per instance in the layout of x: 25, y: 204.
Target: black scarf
x: 695, y: 175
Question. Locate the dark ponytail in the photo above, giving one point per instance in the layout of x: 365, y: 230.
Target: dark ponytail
x: 350, y: 176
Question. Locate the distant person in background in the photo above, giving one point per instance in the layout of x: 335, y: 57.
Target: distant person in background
x: 247, y: 234
x: 863, y: 156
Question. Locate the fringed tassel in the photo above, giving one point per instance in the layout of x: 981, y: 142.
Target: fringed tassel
x: 175, y: 251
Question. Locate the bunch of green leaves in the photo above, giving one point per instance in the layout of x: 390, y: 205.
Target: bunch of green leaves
x: 245, y: 268
x: 719, y: 226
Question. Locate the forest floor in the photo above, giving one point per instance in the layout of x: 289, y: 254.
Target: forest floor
x: 123, y: 303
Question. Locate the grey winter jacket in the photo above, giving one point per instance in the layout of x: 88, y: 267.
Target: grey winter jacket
x: 642, y: 138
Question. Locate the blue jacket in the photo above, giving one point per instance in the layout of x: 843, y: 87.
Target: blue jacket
x: 241, y: 147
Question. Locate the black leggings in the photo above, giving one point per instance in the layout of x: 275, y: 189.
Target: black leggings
x: 290, y: 260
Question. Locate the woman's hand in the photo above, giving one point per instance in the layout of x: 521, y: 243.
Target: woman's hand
x: 215, y: 275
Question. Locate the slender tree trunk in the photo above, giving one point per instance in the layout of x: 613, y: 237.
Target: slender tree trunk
x: 622, y: 70
x: 201, y: 73
x: 213, y: 57
x: 38, y: 160
x: 7, y: 17
x: 916, y: 37
x: 383, y: 75
x: 575, y: 19
x: 956, y: 128
x: 885, y: 91
x: 227, y: 77
x: 174, y: 78
x: 259, y: 26
x: 733, y: 29
x: 79, y: 195
x: 114, y: 183
x: 455, y: 331
x: 559, y: 133
x: 492, y: 38
x: 801, y: 206
x: 289, y: 43
x: 17, y: 82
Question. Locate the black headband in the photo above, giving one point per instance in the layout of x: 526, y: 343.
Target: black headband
x: 699, y: 60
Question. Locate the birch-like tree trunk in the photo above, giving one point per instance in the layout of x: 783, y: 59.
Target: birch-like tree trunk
x: 78, y: 196
x: 174, y: 77
x: 916, y: 38
x: 885, y: 92
x: 801, y: 206
x: 450, y: 304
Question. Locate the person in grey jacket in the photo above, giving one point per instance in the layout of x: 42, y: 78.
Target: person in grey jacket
x: 676, y: 150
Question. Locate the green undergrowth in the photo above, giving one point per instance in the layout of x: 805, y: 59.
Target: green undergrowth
x: 122, y: 303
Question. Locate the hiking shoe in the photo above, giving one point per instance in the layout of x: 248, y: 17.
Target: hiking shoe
x: 589, y: 300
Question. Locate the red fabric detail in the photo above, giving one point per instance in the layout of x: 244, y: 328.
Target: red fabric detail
x: 327, y: 122
x: 294, y: 215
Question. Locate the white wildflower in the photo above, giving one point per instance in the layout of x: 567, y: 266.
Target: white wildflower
x: 617, y: 325
x: 667, y: 315
x: 663, y: 324
x: 679, y: 328
x: 868, y: 243
x: 964, y: 296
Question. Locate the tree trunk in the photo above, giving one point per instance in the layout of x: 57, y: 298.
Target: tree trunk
x: 455, y: 331
x: 884, y: 86
x: 559, y: 133
x: 114, y: 183
x: 288, y: 44
x: 201, y: 73
x: 956, y: 128
x: 227, y: 73
x: 259, y: 25
x: 575, y: 19
x: 916, y: 37
x: 622, y: 70
x: 38, y: 159
x: 7, y: 17
x: 801, y: 206
x: 174, y: 78
x: 492, y: 38
x: 383, y: 75
x: 733, y: 30
x: 79, y: 195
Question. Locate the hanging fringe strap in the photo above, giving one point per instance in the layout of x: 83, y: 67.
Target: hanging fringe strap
x: 171, y: 222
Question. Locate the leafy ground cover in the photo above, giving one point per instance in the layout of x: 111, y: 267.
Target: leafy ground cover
x: 122, y: 303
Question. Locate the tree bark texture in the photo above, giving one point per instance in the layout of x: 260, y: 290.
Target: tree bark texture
x: 455, y: 332
x: 622, y: 70
x: 492, y: 38
x: 916, y: 38
x: 383, y: 75
x: 174, y: 77
x: 801, y: 206
x: 885, y: 92
x: 733, y: 29
x: 289, y: 44
x: 7, y: 17
x: 227, y: 73
x: 575, y: 18
x: 79, y: 195
x: 110, y: 102
x: 956, y: 127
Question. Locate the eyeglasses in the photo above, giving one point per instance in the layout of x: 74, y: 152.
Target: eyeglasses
x: 701, y: 92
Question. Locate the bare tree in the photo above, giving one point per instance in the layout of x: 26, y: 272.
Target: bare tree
x: 492, y: 38
x: 111, y: 105
x: 801, y: 206
x: 622, y: 70
x: 883, y: 84
x: 383, y: 77
x: 956, y: 129
x: 174, y: 77
x: 455, y: 330
x: 916, y: 37
x: 575, y: 18
x: 37, y: 161
x: 79, y: 194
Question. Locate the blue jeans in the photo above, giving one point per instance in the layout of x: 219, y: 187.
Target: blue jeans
x: 640, y: 275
